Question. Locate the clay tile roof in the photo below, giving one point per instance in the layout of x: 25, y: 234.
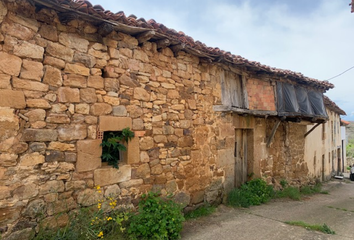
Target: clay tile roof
x: 344, y: 123
x: 332, y: 106
x: 85, y: 6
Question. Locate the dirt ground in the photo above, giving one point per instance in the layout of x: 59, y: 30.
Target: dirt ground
x: 335, y: 209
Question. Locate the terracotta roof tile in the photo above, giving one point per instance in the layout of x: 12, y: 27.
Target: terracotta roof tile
x: 332, y: 106
x: 98, y: 11
x: 344, y: 123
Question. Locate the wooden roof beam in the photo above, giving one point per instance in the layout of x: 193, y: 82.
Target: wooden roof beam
x: 163, y: 43
x: 270, y: 139
x: 313, y: 128
x: 177, y: 48
x: 145, y: 36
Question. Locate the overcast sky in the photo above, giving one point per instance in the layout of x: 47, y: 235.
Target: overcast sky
x: 314, y: 37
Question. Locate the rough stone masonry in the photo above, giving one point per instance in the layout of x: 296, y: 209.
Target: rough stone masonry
x: 62, y: 85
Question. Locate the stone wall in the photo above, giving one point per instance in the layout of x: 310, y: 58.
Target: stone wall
x: 285, y: 158
x: 62, y: 86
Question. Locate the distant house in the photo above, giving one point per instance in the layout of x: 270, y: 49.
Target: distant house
x: 204, y: 120
x: 344, y: 124
x: 324, y: 147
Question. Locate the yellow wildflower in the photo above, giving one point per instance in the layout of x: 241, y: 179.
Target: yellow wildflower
x: 100, y: 234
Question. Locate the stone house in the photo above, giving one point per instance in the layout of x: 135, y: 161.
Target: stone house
x: 204, y: 120
x: 324, y: 147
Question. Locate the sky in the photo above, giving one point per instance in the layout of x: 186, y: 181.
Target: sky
x: 314, y: 37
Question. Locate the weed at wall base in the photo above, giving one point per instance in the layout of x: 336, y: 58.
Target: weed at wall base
x: 254, y: 192
x: 157, y: 219
x: 201, y: 211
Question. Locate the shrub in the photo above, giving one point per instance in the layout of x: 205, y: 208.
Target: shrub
x: 157, y: 218
x: 254, y: 192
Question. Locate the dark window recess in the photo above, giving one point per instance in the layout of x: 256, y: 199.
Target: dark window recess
x: 110, y: 152
x: 299, y: 100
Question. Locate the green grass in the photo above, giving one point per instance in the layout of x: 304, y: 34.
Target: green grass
x: 200, y: 212
x: 307, y: 190
x: 289, y: 192
x: 341, y: 209
x: 296, y: 193
x: 321, y: 228
x: 256, y: 192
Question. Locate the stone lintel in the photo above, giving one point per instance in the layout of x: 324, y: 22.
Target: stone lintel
x: 110, y: 123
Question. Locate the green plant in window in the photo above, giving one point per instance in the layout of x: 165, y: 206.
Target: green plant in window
x: 112, y: 143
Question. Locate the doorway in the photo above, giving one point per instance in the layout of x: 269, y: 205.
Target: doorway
x: 323, y: 168
x: 338, y: 161
x: 242, y: 153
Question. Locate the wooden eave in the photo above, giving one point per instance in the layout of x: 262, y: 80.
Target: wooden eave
x: 285, y: 116
x: 175, y: 44
x: 131, y: 30
x: 260, y: 113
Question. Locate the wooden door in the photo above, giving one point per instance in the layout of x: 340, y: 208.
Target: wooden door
x: 338, y: 161
x: 323, y: 168
x: 240, y: 157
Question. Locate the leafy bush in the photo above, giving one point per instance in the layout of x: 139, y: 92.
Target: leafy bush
x: 157, y: 219
x: 200, y: 212
x: 254, y: 192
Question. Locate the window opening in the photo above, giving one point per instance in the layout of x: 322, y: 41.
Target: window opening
x: 114, y: 146
x: 233, y: 90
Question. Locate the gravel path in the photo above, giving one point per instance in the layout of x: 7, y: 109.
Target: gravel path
x: 335, y: 209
